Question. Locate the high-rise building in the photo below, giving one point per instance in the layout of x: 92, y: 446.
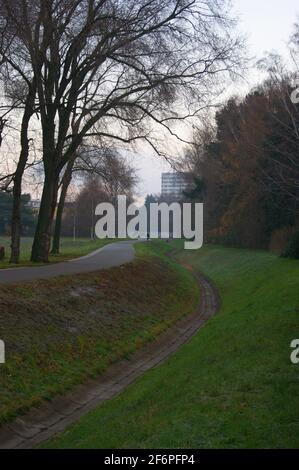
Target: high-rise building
x: 174, y: 184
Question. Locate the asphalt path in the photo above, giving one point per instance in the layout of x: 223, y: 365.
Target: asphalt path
x: 114, y: 254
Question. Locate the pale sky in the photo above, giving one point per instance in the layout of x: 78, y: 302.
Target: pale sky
x: 268, y: 25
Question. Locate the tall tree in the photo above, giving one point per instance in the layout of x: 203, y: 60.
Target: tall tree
x: 109, y: 68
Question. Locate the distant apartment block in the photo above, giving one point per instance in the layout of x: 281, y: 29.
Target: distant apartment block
x: 174, y: 184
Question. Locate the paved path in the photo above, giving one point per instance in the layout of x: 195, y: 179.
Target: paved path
x: 50, y: 418
x: 110, y: 255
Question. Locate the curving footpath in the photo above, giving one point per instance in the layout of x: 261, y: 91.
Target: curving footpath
x: 50, y: 418
x: 114, y: 254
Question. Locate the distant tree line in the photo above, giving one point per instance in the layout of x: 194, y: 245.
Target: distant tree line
x: 28, y: 216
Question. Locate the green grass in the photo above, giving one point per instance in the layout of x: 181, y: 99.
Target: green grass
x: 59, y: 332
x: 232, y: 386
x: 69, y: 249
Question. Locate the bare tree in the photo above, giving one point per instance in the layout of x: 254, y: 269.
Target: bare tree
x: 106, y: 164
x: 20, y: 88
x: 113, y: 68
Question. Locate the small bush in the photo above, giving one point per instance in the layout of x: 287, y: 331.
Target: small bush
x: 292, y: 249
x: 281, y: 238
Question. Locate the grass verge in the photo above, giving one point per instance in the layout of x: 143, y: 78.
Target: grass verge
x: 70, y: 249
x: 61, y: 331
x: 232, y: 386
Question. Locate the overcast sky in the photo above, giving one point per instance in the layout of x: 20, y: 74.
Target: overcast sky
x: 268, y: 25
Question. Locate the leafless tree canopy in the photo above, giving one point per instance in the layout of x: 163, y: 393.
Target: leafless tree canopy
x: 108, y: 59
x: 116, y: 174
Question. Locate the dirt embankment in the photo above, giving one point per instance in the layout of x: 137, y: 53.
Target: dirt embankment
x: 59, y: 332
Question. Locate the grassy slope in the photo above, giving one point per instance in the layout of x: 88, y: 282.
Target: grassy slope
x: 69, y: 249
x: 58, y: 332
x: 232, y: 386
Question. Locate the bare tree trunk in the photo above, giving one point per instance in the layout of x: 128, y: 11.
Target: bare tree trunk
x: 42, y: 237
x: 67, y: 177
x: 17, y: 187
x: 16, y: 215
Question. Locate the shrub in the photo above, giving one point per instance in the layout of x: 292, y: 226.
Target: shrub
x: 281, y: 238
x: 292, y: 249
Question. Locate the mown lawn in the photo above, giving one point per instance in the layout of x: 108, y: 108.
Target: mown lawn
x: 232, y: 386
x: 59, y: 332
x: 69, y: 249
